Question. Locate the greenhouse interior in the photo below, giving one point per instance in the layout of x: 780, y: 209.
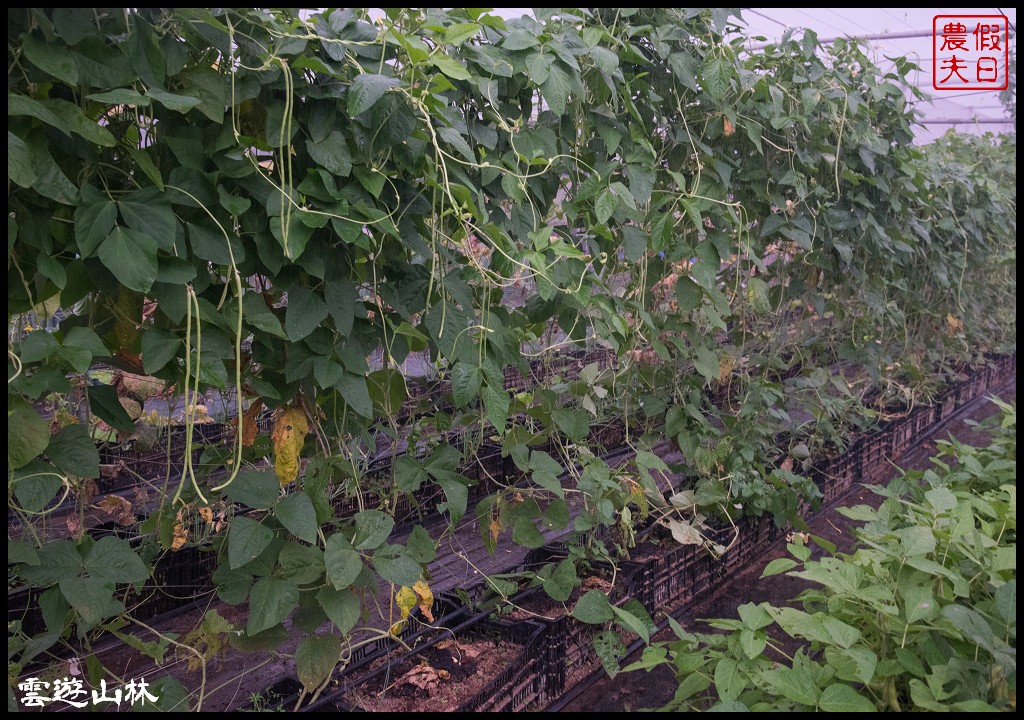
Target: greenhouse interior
x: 515, y: 360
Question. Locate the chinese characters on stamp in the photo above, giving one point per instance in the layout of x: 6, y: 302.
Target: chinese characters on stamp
x: 970, y: 52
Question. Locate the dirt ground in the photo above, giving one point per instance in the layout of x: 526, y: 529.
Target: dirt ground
x: 629, y: 692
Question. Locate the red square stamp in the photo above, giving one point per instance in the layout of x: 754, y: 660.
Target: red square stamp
x: 970, y: 52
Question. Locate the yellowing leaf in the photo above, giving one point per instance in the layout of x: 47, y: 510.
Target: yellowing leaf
x: 405, y: 599
x: 424, y: 677
x: 118, y: 507
x: 955, y: 324
x: 495, y: 528
x: 725, y: 367
x: 206, y: 514
x: 180, y: 533
x: 426, y: 599
x: 289, y: 435
x: 728, y: 127
x: 249, y: 428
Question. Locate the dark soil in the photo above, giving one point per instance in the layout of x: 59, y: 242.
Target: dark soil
x: 438, y: 679
x: 634, y: 691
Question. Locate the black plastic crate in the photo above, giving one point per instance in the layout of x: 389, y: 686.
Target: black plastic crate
x: 876, y: 455
x: 680, y: 573
x: 522, y: 685
x: 449, y: 616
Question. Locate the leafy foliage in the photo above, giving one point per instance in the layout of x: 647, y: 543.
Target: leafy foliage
x: 922, y: 616
x: 258, y: 200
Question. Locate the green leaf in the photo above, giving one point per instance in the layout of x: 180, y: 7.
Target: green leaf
x: 50, y: 178
x: 113, y: 559
x: 27, y: 433
x: 451, y: 67
x: 639, y: 626
x: 366, y: 90
x: 254, y: 489
x: 297, y: 515
x: 120, y: 96
x: 232, y: 585
x: 706, y: 363
x: 171, y: 101
x: 525, y: 533
x: 605, y: 206
x: 373, y: 527
x: 795, y: 685
x: 456, y: 496
x: 545, y: 472
x: 19, y: 161
x: 941, y: 499
x: 843, y: 698
x: 343, y: 563
x: 556, y: 517
x: 93, y: 224
x: 131, y: 257
x: 409, y: 474
x: 19, y: 551
x: 105, y: 404
x: 356, y: 394
x: 92, y: 598
x: 246, y: 539
x: 72, y: 118
x: 716, y: 77
x: 556, y: 89
x: 257, y: 315
x: 574, y: 423
x: 520, y: 40
x: 86, y: 339
x: 150, y: 214
x: 753, y: 643
x: 754, y: 617
x: 466, y: 381
x: 53, y: 62
x: 341, y: 299
x: 779, y: 566
x: 209, y: 243
x: 917, y: 540
x: 852, y: 664
x: 74, y: 452
x: 58, y: 559
x: 688, y: 294
x: 49, y: 267
x: 729, y: 681
x: 562, y: 581
x: 459, y: 33
x: 270, y: 602
x: 420, y: 546
x: 843, y: 635
x: 35, y: 485
x: 342, y: 607
x: 24, y: 105
x: 37, y: 346
x: 42, y: 381
x: 496, y: 404
x: 332, y: 154
x: 396, y: 567
x: 609, y: 648
x: 315, y: 659
x: 634, y: 242
x: 304, y: 314
x: 159, y: 347
x: 593, y: 608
